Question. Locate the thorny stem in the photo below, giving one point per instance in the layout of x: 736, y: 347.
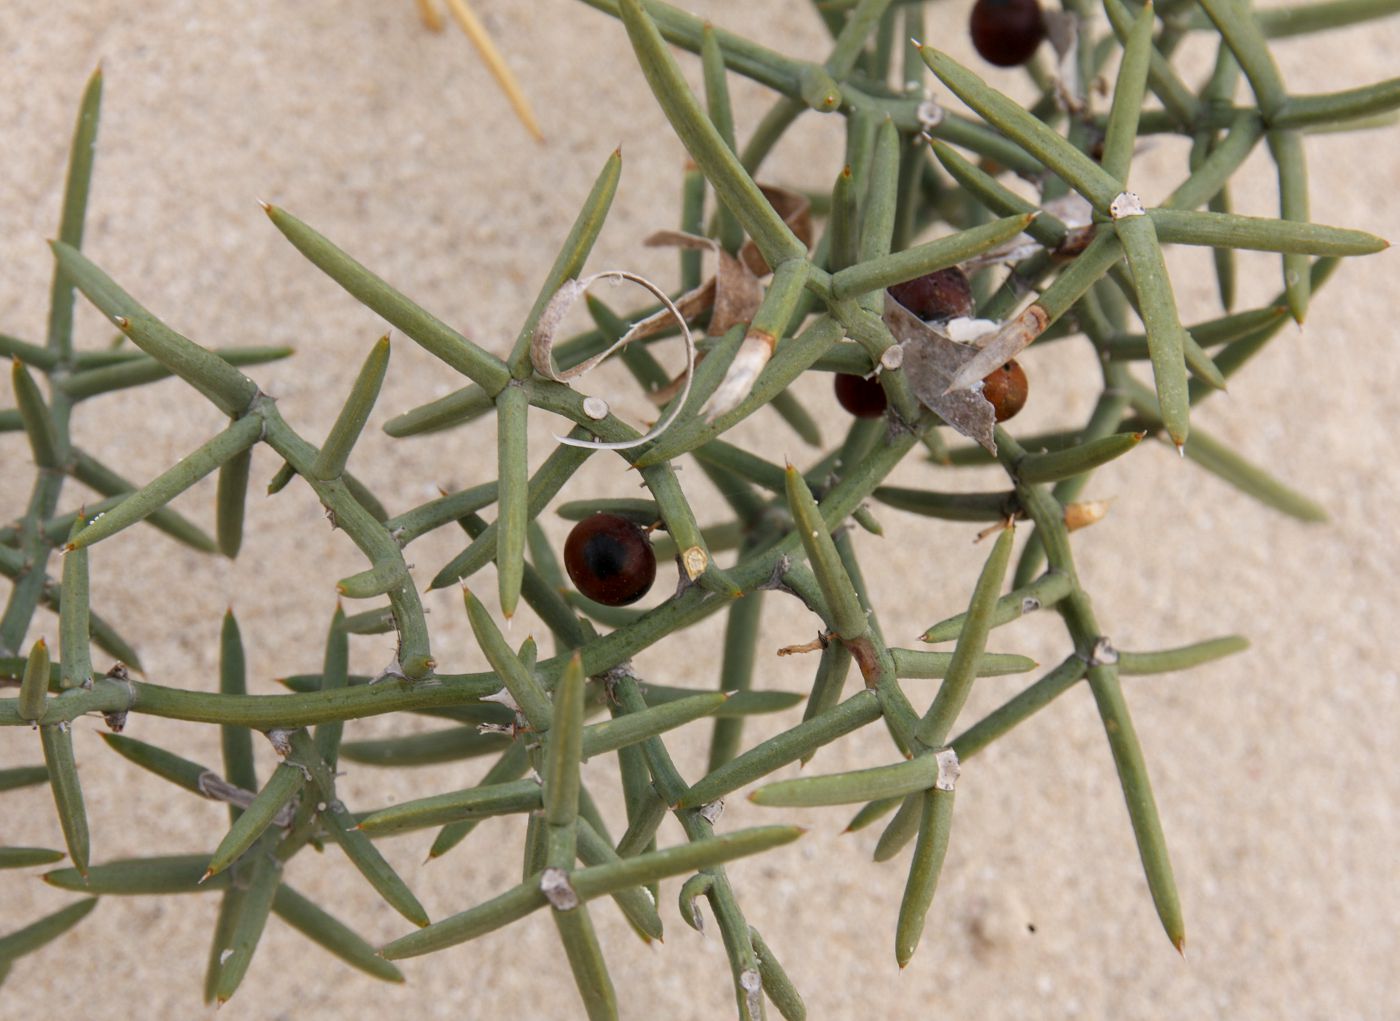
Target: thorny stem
x: 824, y: 312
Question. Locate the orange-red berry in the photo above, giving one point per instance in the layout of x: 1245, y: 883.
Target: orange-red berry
x: 940, y: 295
x: 1007, y: 32
x: 610, y: 559
x: 864, y: 398
x: 1007, y: 389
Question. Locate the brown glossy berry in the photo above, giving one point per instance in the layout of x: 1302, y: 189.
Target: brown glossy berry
x: 1007, y: 32
x: 937, y: 296
x: 610, y: 559
x: 1007, y: 389
x: 864, y: 398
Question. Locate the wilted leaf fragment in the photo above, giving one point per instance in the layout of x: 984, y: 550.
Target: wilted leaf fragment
x: 932, y: 361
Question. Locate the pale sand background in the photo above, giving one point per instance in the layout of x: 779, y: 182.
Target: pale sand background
x: 1274, y: 772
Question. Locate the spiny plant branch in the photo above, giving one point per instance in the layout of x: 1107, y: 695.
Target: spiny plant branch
x: 1089, y: 250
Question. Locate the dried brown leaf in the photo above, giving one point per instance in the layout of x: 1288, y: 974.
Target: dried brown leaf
x: 795, y: 209
x: 932, y: 360
x: 542, y: 348
x: 734, y: 292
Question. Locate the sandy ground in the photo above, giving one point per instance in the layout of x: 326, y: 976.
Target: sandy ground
x: 1274, y: 771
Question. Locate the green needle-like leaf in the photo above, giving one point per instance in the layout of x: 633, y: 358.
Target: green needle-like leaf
x: 847, y: 617
x: 91, y: 472
x: 1046, y: 228
x: 141, y: 369
x: 320, y: 927
x: 603, y: 880
x: 45, y: 930
x: 248, y: 929
x: 878, y: 207
x: 636, y: 903
x: 371, y: 864
x: 901, y: 829
x: 1120, y: 135
x: 564, y: 747
x: 383, y: 577
x: 1179, y: 100
x: 948, y: 506
x: 844, y: 224
x: 741, y: 635
x: 421, y: 326
x: 38, y: 421
x: 1182, y: 658
x: 1045, y: 592
x: 458, y: 408
x: 1230, y: 230
x: 235, y: 742
x: 1018, y: 709
x: 334, y: 676
x: 1333, y: 107
x: 176, y: 873
x: 1241, y: 32
x: 920, y: 663
x: 429, y: 749
x: 877, y: 273
x: 1209, y: 178
x: 474, y: 803
x: 1142, y: 806
x: 776, y: 984
x: 1287, y: 150
x: 178, y: 770
x: 231, y: 903
x: 513, y: 472
x: 972, y: 642
x: 510, y: 766
x: 511, y: 906
x: 927, y: 863
x: 572, y: 255
x: 237, y: 438
x: 356, y: 845
x: 524, y: 687
x: 739, y: 703
x: 1218, y: 459
x: 586, y: 962
x: 81, y: 156
x: 229, y: 390
x: 1076, y: 169
x: 729, y: 232
x: 692, y: 222
x: 789, y: 746
x: 827, y: 686
x: 23, y: 776
x: 229, y: 502
x: 330, y: 460
x: 1165, y: 335
x: 633, y: 728
x: 1063, y: 464
x: 880, y: 782
x: 716, y: 160
x: 285, y: 783
x: 24, y: 857
x: 34, y: 687
x: 57, y: 740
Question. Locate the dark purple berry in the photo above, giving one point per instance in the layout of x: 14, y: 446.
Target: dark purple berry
x: 1007, y: 32
x: 610, y: 559
x: 864, y: 398
x: 1007, y: 389
x: 935, y: 297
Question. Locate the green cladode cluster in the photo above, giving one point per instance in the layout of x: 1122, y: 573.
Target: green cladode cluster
x: 824, y: 307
